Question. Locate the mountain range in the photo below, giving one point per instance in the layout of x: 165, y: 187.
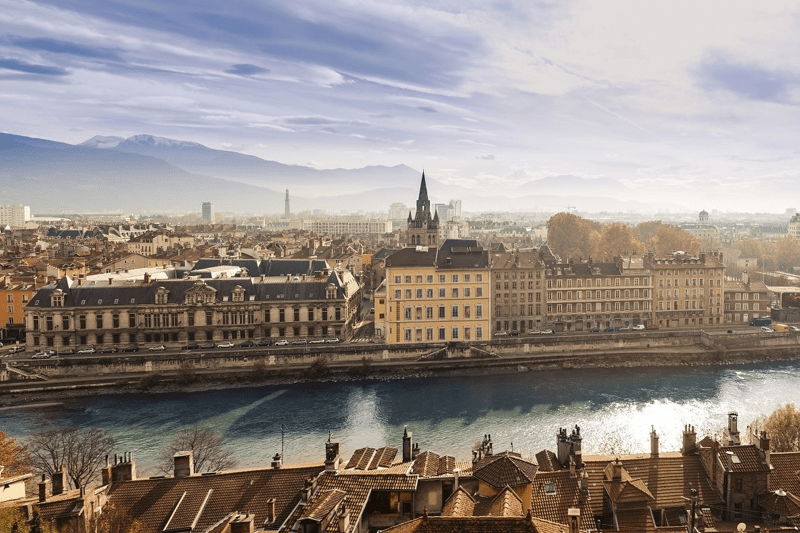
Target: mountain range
x: 145, y: 174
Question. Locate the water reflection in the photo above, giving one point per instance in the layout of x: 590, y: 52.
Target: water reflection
x: 614, y: 407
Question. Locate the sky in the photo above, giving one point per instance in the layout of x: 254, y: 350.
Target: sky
x: 694, y: 103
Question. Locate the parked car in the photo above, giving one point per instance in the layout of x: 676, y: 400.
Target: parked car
x: 190, y: 346
x: 332, y: 341
x: 547, y: 332
x: 637, y: 327
x: 107, y: 349
x: 767, y: 329
x: 317, y: 341
x: 624, y: 328
x: 17, y: 349
x: 653, y: 326
x: 610, y: 330
x: 282, y: 342
x: 264, y: 342
x: 44, y: 354
x: 207, y: 345
x: 514, y: 333
x: 300, y: 341
x: 534, y: 332
x: 501, y: 334
x: 226, y: 344
x: 596, y: 330
x: 246, y: 344
x: 87, y: 350
x: 130, y: 349
x: 794, y: 328
x: 159, y: 348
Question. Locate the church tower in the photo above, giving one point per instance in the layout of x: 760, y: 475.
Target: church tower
x: 423, y: 230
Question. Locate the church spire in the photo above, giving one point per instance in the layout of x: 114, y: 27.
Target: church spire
x: 423, y: 191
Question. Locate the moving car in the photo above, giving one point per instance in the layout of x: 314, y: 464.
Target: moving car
x: 638, y: 327
x: 317, y: 341
x: 332, y: 341
x: 300, y: 341
x: 159, y: 348
x: 794, y: 328
x: 226, y: 344
x: 547, y: 332
x: 767, y: 329
x: 44, y: 354
x: 207, y: 345
x: 534, y: 332
x: 596, y: 330
x: 17, y: 349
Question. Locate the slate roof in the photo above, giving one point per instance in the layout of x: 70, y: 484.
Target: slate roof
x: 199, y: 502
x: 505, y: 469
x: 412, y: 257
x: 461, y: 254
x: 357, y: 486
x: 267, y: 267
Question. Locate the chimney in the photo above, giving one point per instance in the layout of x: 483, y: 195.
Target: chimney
x: 407, y: 445
x: 653, y: 443
x: 332, y: 458
x: 277, y: 461
x: 344, y: 517
x: 110, y: 281
x: 243, y: 523
x: 44, y: 488
x: 184, y: 464
x: 489, y: 451
x: 574, y: 518
x: 577, y: 441
x: 456, y: 474
x: 616, y: 470
x: 572, y: 466
x: 124, y: 469
x: 271, y: 510
x: 689, y: 440
x: 731, y: 435
x: 105, y: 473
x: 59, y: 478
x: 307, y: 491
x: 415, y: 451
x: 745, y: 278
x: 762, y: 443
x: 562, y: 446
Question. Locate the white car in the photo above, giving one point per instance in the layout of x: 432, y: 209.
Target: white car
x: 638, y: 327
x: 17, y: 349
x: 794, y: 328
x: 44, y: 354
x: 282, y: 342
x: 767, y: 329
x: 332, y: 341
x: 547, y: 332
x: 159, y: 348
x: 227, y: 344
x: 87, y: 350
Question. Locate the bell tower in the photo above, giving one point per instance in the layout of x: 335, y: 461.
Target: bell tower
x: 423, y: 229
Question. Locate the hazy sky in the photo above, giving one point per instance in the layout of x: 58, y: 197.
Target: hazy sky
x: 692, y: 98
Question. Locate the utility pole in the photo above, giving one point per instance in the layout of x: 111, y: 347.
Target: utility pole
x: 694, y: 508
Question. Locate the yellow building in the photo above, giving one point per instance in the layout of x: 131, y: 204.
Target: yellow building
x: 14, y: 299
x: 435, y: 295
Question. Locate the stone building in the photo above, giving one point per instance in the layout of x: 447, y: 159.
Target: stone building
x: 423, y: 228
x: 687, y: 290
x: 745, y: 299
x: 517, y: 291
x: 294, y: 299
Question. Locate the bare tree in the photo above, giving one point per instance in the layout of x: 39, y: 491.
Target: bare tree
x: 207, y: 446
x: 81, y: 451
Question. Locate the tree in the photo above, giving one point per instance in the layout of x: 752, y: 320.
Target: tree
x: 787, y: 252
x: 782, y: 427
x: 81, y: 451
x: 207, y: 446
x: 110, y: 520
x: 669, y: 238
x: 618, y: 239
x: 13, y: 456
x: 572, y: 236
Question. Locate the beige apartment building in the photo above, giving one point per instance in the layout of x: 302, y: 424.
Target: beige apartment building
x: 517, y: 292
x: 688, y: 290
x: 435, y: 294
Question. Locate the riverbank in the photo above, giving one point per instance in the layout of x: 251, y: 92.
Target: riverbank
x: 196, y: 372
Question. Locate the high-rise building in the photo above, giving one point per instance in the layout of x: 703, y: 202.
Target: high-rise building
x: 209, y: 213
x: 287, y: 211
x: 14, y: 215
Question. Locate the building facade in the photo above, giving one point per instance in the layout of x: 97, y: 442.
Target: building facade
x: 14, y: 215
x: 348, y: 226
x: 518, y: 296
x: 745, y: 299
x: 423, y: 228
x: 173, y: 312
x: 688, y: 290
x: 209, y: 213
x: 435, y: 295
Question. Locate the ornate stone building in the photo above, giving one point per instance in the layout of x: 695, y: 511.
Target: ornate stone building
x: 423, y: 228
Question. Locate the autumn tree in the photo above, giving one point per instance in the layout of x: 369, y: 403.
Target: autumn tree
x: 110, y: 519
x: 669, y: 238
x: 787, y: 252
x: 618, y: 239
x: 13, y: 456
x: 81, y: 451
x: 645, y: 231
x: 782, y: 427
x: 572, y: 236
x: 207, y: 447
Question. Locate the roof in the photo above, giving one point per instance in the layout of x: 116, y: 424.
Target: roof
x: 421, y: 256
x: 505, y: 469
x: 429, y: 464
x: 553, y: 493
x: 477, y: 524
x: 786, y: 473
x: 460, y: 254
x: 357, y: 486
x: 460, y: 503
x: 743, y: 458
x: 198, y: 502
x: 781, y: 503
x: 371, y: 459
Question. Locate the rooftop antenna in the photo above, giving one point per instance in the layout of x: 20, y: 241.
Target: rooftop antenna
x: 282, y: 428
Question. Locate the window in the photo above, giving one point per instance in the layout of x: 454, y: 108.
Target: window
x: 455, y: 311
x: 99, y: 321
x: 479, y: 292
x: 429, y: 278
x: 455, y: 278
x: 478, y: 311
x: 429, y: 313
x: 467, y: 292
x: 479, y: 277
x: 397, y: 279
x: 408, y: 279
x: 442, y: 278
x: 479, y: 333
x: 407, y: 313
x: 441, y: 334
x: 49, y: 323
x: 408, y: 294
x: 419, y: 294
x: 429, y: 293
x: 442, y: 293
x: 65, y: 322
x: 466, y: 278
x: 455, y: 333
x: 397, y: 294
x: 407, y: 335
x: 115, y: 321
x: 455, y: 292
x: 441, y: 311
x: 281, y: 315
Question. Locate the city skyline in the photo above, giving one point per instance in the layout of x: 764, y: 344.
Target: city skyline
x: 685, y: 103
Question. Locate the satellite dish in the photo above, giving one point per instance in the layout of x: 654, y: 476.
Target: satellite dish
x: 741, y: 527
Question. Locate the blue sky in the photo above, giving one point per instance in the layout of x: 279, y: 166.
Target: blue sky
x: 693, y: 103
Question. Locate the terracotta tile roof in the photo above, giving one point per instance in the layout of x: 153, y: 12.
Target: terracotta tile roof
x: 324, y: 504
x: 669, y: 478
x: 555, y: 492
x: 786, y: 473
x: 429, y: 464
x: 708, y: 518
x: 635, y: 521
x: 548, y: 461
x: 743, y: 458
x: 627, y: 491
x: 205, y: 500
x: 501, y: 470
x: 781, y: 503
x: 371, y: 459
x: 506, y: 503
x: 477, y: 524
x: 357, y: 486
x: 460, y: 503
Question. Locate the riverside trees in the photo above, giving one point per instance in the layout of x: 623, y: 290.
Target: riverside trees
x: 81, y: 451
x: 782, y: 427
x: 207, y: 447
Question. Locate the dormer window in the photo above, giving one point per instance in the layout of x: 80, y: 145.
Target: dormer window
x: 162, y: 295
x: 237, y: 295
x: 57, y: 298
x: 330, y: 291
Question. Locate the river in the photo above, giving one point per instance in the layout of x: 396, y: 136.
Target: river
x: 615, y: 409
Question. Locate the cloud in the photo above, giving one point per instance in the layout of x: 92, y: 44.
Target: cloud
x: 56, y: 46
x: 748, y: 80
x: 488, y: 157
x: 44, y: 70
x: 245, y: 69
